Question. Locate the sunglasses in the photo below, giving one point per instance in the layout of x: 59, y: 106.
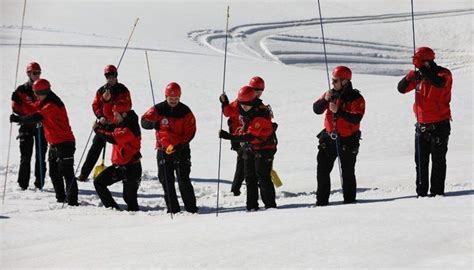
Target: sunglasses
x: 36, y: 73
x: 110, y: 75
x: 335, y: 80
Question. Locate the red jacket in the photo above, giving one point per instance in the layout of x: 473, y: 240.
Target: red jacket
x: 433, y: 95
x: 231, y: 111
x: 53, y: 116
x: 126, y: 140
x: 258, y: 124
x: 351, y: 109
x: 24, y: 102
x: 103, y: 108
x: 176, y: 125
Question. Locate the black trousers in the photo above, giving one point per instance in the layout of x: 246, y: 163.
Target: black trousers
x: 239, y: 174
x: 130, y: 175
x: 258, y: 166
x: 30, y: 136
x: 327, y: 155
x: 98, y: 143
x: 431, y: 140
x: 61, y: 169
x: 179, y: 162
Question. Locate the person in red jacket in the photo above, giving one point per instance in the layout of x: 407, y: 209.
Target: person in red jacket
x: 433, y: 114
x: 258, y: 139
x: 105, y: 98
x: 231, y: 111
x: 175, y: 127
x: 29, y: 134
x: 51, y: 112
x: 126, y: 165
x: 344, y: 107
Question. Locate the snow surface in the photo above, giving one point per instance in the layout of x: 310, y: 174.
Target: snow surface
x: 280, y: 41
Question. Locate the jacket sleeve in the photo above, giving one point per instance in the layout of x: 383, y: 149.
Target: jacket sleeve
x: 149, y: 118
x: 189, y: 128
x: 321, y: 105
x: 16, y: 103
x: 355, y: 113
x: 97, y: 105
x: 405, y: 86
x: 230, y: 109
x: 106, y: 135
x: 260, y: 127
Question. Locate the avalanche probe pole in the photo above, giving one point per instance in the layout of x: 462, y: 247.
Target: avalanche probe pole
x: 11, y: 124
x: 162, y: 155
x: 334, y: 134
x: 222, y: 113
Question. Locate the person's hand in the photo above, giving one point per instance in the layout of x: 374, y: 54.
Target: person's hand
x: 95, y: 125
x: 333, y: 107
x: 328, y: 95
x: 106, y: 95
x: 170, y: 149
x: 224, y: 99
x: 103, y: 120
x: 224, y: 135
x: 14, y: 118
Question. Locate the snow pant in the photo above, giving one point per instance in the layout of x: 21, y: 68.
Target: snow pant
x: 431, y: 139
x: 30, y: 136
x: 61, y: 169
x: 348, y: 148
x: 98, y: 143
x: 257, y: 167
x: 239, y: 174
x: 179, y: 162
x: 130, y: 175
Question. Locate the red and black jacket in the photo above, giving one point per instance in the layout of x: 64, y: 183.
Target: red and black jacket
x: 174, y: 126
x: 24, y: 101
x: 119, y: 93
x: 52, y: 113
x: 231, y: 111
x: 257, y: 130
x: 126, y: 140
x: 351, y: 109
x: 433, y: 93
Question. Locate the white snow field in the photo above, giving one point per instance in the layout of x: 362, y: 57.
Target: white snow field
x: 280, y: 41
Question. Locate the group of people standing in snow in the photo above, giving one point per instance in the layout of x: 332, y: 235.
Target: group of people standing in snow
x: 43, y: 121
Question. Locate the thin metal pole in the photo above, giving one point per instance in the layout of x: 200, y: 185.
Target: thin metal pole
x: 222, y: 114
x: 11, y: 124
x: 126, y: 45
x: 163, y: 161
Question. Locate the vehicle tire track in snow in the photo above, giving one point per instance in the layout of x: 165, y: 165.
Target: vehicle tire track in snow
x: 259, y: 40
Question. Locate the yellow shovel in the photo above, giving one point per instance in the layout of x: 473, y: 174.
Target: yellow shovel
x: 276, y: 179
x: 101, y: 167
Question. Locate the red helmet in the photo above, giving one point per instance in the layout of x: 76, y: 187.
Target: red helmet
x: 41, y: 85
x: 257, y: 83
x: 110, y: 69
x: 173, y: 90
x: 342, y: 72
x: 246, y: 94
x: 33, y: 66
x: 424, y: 54
x: 121, y: 107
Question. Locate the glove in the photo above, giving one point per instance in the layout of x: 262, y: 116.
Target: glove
x: 413, y: 76
x: 224, y: 99
x: 169, y: 150
x: 225, y: 135
x: 14, y: 118
x: 156, y: 126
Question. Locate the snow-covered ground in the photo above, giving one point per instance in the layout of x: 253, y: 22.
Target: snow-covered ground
x: 280, y: 41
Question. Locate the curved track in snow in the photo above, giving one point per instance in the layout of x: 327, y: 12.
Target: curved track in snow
x: 275, y: 42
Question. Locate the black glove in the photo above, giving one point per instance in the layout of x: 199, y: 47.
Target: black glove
x: 156, y: 126
x: 225, y: 135
x: 14, y: 118
x: 224, y: 99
